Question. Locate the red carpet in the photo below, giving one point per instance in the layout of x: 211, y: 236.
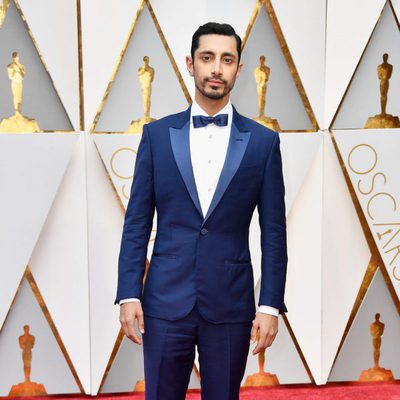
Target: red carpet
x: 332, y: 391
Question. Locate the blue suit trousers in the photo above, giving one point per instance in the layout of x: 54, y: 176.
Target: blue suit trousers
x: 169, y: 352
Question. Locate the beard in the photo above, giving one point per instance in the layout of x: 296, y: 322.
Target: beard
x: 214, y: 94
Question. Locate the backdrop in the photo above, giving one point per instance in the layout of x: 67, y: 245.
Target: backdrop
x: 64, y: 190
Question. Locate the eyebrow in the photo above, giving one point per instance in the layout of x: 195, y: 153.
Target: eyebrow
x: 224, y: 54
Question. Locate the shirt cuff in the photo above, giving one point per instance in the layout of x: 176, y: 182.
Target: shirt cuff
x: 268, y: 310
x: 129, y: 300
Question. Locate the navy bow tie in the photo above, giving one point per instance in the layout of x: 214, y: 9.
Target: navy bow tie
x: 200, y: 121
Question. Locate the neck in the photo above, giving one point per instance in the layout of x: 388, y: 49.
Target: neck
x: 211, y: 106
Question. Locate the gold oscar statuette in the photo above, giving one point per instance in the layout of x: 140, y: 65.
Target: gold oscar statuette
x: 261, y: 378
x: 17, y: 123
x: 146, y: 76
x: 376, y: 373
x: 3, y: 10
x: 140, y: 386
x: 383, y: 120
x: 27, y: 388
x: 261, y: 75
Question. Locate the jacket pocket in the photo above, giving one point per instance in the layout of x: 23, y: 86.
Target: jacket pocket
x: 163, y: 255
x: 238, y: 262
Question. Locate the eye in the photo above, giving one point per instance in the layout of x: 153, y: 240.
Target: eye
x: 228, y: 60
x: 206, y: 58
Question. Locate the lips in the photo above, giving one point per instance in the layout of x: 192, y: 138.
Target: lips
x: 214, y: 82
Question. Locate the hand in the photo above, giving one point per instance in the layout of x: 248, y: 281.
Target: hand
x: 267, y: 327
x: 128, y: 313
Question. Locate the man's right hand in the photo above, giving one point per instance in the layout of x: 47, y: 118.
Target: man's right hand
x: 128, y: 313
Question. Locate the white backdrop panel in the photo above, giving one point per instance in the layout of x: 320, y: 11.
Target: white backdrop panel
x: 49, y: 366
x: 39, y: 97
x: 359, y: 340
x: 303, y: 285
x: 104, y: 31
x: 126, y: 369
x: 105, y: 219
x: 283, y: 101
x: 59, y: 264
x: 396, y: 7
x: 373, y: 164
x: 279, y: 357
x: 56, y: 33
x: 124, y: 102
x: 363, y: 97
x: 298, y: 151
x: 118, y: 153
x: 349, y: 26
x: 345, y: 256
x: 305, y: 37
x: 31, y: 169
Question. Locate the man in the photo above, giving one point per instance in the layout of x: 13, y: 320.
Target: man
x: 205, y: 176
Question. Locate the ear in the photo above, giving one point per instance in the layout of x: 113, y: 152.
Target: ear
x: 239, y: 70
x: 189, y: 65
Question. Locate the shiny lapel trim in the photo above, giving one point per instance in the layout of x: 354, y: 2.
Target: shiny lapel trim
x: 238, y: 142
x: 180, y: 143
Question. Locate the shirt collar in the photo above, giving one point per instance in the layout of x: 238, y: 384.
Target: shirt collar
x: 197, y: 110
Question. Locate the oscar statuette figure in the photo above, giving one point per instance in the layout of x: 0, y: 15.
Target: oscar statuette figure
x: 3, y: 10
x: 376, y: 373
x: 383, y: 120
x: 27, y: 388
x: 261, y: 76
x: 17, y: 123
x: 261, y: 378
x: 146, y: 77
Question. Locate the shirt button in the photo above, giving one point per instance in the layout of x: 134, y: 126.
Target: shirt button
x: 204, y: 231
x: 209, y: 161
x: 209, y: 189
x: 210, y: 137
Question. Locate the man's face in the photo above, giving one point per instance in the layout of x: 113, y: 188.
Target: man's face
x: 215, y: 66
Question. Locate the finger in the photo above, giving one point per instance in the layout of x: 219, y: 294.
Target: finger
x: 124, y: 328
x: 270, y: 339
x: 132, y: 334
x: 258, y: 348
x: 253, y: 333
x: 260, y: 344
x: 141, y: 322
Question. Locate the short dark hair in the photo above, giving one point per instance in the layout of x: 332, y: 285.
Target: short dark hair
x: 214, y: 28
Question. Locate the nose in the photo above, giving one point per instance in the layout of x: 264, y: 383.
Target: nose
x: 216, y: 70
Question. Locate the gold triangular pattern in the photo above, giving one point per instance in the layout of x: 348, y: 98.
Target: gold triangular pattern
x: 376, y: 260
x: 365, y: 284
x: 80, y: 65
x: 298, y: 348
x: 143, y: 3
x: 359, y: 62
x: 19, y: 9
x: 288, y: 57
x: 36, y: 292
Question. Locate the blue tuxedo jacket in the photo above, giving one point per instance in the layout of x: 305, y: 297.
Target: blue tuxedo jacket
x: 196, y: 257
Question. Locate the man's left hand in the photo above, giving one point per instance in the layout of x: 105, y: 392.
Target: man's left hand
x: 267, y: 327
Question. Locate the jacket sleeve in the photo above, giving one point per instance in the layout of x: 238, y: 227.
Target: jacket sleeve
x: 272, y: 219
x: 137, y: 226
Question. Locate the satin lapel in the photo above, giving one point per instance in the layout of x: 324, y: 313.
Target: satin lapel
x: 237, y: 146
x: 181, y: 148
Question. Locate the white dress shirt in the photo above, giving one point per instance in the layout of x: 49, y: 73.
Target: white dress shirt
x: 208, y: 147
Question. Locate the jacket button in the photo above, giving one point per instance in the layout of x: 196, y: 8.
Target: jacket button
x: 204, y: 231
